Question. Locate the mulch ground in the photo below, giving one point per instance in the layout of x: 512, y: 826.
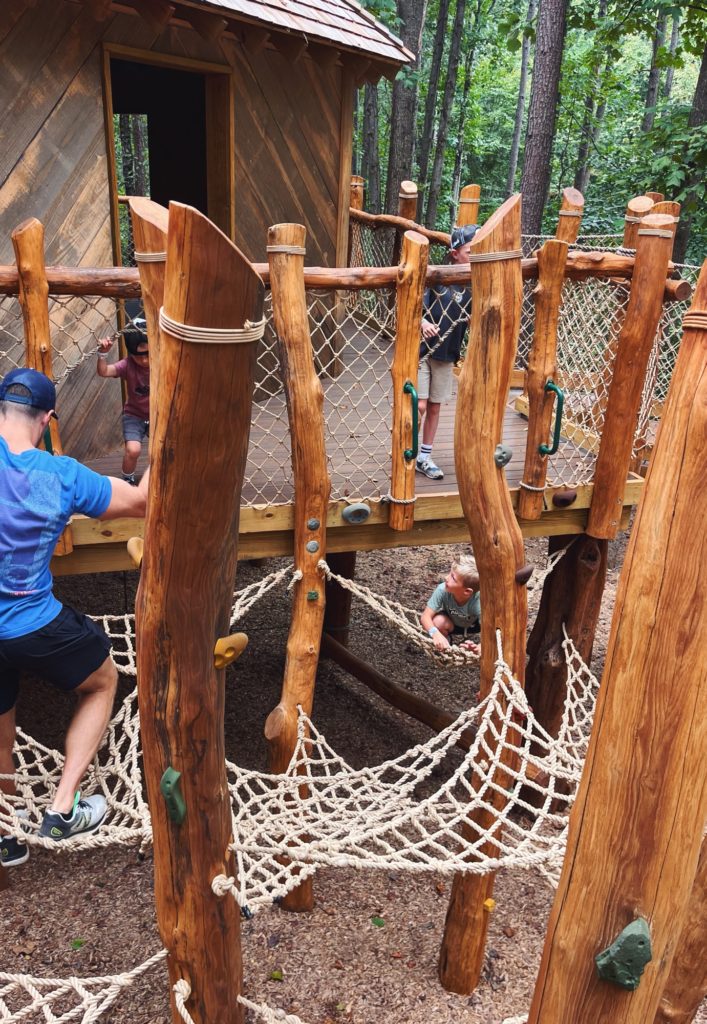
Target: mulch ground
x: 93, y: 913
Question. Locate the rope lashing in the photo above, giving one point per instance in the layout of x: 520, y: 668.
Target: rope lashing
x: 290, y: 250
x: 182, y: 991
x: 475, y: 202
x: 529, y: 487
x: 388, y: 499
x: 212, y: 335
x: 150, y: 257
x: 632, y: 220
x: 695, y: 319
x: 490, y: 257
x: 571, y: 213
x: 407, y: 195
x: 656, y: 232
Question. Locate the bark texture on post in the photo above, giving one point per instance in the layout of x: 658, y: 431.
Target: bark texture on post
x: 495, y: 535
x: 686, y: 986
x: 636, y: 827
x: 150, y: 223
x: 410, y: 292
x: 645, y: 307
x: 355, y: 249
x: 305, y: 407
x: 28, y: 243
x: 200, y: 444
x: 468, y: 209
x: 542, y: 367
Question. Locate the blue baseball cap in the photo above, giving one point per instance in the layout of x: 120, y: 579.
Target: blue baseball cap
x: 460, y: 236
x: 42, y: 393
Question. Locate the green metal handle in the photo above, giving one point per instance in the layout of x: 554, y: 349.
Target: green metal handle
x: 411, y: 453
x: 545, y: 449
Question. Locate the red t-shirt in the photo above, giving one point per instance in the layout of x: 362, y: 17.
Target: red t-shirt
x: 138, y: 381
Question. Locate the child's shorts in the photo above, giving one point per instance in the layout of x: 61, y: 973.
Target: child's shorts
x: 434, y: 380
x: 471, y: 630
x: 135, y: 429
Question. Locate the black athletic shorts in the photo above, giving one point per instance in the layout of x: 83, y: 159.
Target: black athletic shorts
x: 65, y: 652
x: 472, y: 629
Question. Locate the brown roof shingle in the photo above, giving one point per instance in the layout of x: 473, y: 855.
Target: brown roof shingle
x: 341, y: 23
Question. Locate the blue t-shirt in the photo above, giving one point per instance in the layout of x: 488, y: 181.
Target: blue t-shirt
x: 39, y: 493
x: 462, y: 615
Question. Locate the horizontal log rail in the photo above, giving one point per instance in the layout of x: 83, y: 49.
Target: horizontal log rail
x: 391, y: 220
x: 124, y: 282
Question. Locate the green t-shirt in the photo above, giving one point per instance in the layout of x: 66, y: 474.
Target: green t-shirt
x: 462, y: 615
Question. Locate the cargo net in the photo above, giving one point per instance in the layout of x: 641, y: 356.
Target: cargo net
x: 502, y: 804
x: 353, y: 350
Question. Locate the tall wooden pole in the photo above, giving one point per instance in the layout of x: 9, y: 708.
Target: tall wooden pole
x: 569, y: 220
x: 200, y: 443
x: 409, y: 295
x: 150, y: 222
x: 495, y: 535
x: 355, y: 249
x: 305, y: 407
x: 28, y: 243
x: 468, y: 209
x: 636, y: 827
x: 407, y: 209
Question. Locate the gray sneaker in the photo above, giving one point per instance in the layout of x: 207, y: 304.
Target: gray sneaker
x: 86, y: 816
x: 429, y: 469
x: 14, y: 852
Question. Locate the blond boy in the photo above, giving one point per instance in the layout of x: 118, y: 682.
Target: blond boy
x: 454, y: 607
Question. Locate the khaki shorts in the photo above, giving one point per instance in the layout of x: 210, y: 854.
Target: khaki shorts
x: 434, y: 380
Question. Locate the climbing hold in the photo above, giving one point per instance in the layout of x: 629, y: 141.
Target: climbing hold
x: 356, y: 513
x: 489, y: 904
x: 502, y: 455
x: 312, y: 546
x: 172, y: 793
x: 136, y: 547
x: 524, y: 573
x: 228, y: 648
x: 622, y: 962
x: 312, y: 595
x: 312, y: 524
x: 564, y: 498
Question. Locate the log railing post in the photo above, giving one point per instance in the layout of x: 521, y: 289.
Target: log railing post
x: 355, y: 249
x: 200, y: 444
x: 468, y: 208
x: 569, y: 220
x: 636, y: 827
x: 653, y: 245
x: 409, y: 293
x: 305, y: 406
x: 28, y: 243
x: 496, y: 539
x: 407, y: 208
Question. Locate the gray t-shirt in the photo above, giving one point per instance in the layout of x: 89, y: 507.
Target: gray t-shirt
x: 462, y: 615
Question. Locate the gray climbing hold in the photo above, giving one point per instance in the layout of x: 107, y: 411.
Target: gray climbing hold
x: 503, y: 455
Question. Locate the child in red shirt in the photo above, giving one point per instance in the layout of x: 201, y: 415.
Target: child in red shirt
x: 135, y: 371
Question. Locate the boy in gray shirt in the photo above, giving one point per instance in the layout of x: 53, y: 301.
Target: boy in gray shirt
x: 455, y: 606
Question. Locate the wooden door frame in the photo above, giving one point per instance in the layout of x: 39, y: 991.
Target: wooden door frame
x: 219, y: 127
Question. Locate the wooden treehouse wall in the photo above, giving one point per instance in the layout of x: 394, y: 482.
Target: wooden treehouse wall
x: 290, y: 161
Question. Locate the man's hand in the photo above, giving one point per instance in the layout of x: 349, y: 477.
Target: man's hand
x: 429, y: 330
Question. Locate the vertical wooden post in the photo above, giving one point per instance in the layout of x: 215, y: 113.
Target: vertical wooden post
x: 355, y: 249
x: 150, y: 222
x: 305, y: 406
x: 495, y: 535
x: 569, y: 220
x: 337, y: 613
x: 657, y: 197
x: 407, y: 208
x: 542, y: 367
x: 653, y: 246
x: 636, y: 209
x: 468, y: 209
x: 686, y: 986
x: 409, y: 294
x: 636, y: 828
x: 28, y: 243
x: 200, y: 444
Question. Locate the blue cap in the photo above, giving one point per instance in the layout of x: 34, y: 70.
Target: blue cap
x: 460, y: 236
x: 42, y: 393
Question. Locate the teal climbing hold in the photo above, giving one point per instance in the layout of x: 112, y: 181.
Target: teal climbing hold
x: 622, y: 963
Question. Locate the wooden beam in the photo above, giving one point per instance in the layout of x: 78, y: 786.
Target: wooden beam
x: 155, y: 13
x: 290, y: 46
x: 325, y: 57
x: 255, y: 38
x: 100, y: 9
x: 636, y: 827
x: 209, y: 26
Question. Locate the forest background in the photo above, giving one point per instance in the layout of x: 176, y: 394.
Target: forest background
x: 609, y: 96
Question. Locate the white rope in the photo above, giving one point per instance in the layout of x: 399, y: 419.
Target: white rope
x: 529, y: 487
x: 292, y: 250
x: 182, y: 991
x: 150, y: 257
x: 695, y: 319
x: 475, y: 202
x: 571, y: 213
x: 388, y: 499
x: 212, y: 335
x: 656, y: 232
x: 491, y: 257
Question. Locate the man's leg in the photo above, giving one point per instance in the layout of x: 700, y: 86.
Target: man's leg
x: 88, y: 725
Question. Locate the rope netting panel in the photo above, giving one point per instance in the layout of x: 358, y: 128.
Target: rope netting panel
x: 12, y: 338
x: 397, y: 816
x: 353, y: 349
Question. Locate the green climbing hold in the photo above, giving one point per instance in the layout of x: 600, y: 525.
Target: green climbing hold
x: 623, y: 962
x: 172, y: 793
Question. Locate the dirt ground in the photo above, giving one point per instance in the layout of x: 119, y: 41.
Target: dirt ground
x: 334, y: 966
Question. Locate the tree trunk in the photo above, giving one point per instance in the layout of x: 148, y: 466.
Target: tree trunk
x: 404, y: 105
x: 356, y: 153
x: 591, y: 128
x: 520, y: 105
x: 432, y: 90
x: 670, y: 70
x: 445, y: 113
x: 654, y: 75
x: 544, y: 95
x: 127, y: 161
x: 459, y: 153
x: 142, y: 180
x: 696, y: 187
x: 371, y: 158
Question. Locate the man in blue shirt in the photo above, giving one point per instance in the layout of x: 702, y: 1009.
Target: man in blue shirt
x: 39, y: 493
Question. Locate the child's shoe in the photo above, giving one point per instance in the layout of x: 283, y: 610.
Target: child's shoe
x: 428, y: 468
x: 86, y: 816
x: 13, y: 852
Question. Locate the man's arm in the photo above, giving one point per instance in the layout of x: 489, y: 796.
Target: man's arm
x: 127, y: 500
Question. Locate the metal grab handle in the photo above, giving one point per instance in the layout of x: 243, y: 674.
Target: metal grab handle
x: 411, y: 453
x: 545, y: 449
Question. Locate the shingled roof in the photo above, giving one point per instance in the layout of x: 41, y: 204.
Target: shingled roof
x: 341, y: 23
